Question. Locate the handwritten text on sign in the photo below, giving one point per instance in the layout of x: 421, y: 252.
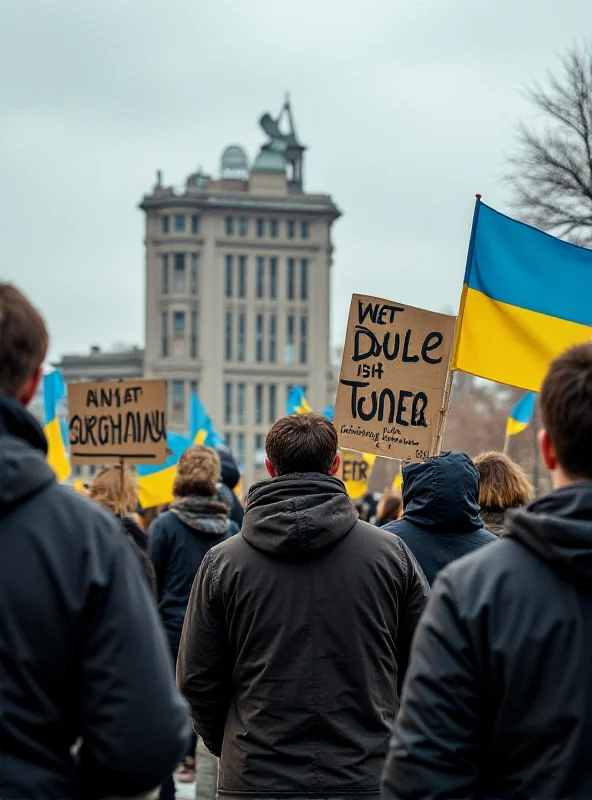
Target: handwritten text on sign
x: 393, y: 372
x: 110, y: 421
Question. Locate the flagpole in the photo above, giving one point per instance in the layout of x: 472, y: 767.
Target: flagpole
x: 506, y: 445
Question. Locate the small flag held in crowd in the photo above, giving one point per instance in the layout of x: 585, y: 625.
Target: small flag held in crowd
x: 54, y: 390
x: 297, y: 402
x: 521, y: 414
x: 201, y: 428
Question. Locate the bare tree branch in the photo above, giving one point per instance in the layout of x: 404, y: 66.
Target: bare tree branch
x: 551, y: 170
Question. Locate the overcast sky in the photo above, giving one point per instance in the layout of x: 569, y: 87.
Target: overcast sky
x: 408, y: 108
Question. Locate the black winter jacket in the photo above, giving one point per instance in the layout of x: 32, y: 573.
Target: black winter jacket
x: 296, y: 633
x: 498, y: 699
x: 441, y: 520
x: 82, y: 652
x: 177, y: 547
x: 230, y: 475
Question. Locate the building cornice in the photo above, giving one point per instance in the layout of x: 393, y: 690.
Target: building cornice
x: 204, y: 202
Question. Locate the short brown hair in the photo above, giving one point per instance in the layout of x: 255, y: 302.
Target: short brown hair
x: 198, y: 471
x: 503, y: 483
x: 23, y: 339
x: 566, y: 406
x: 114, y: 493
x: 302, y: 443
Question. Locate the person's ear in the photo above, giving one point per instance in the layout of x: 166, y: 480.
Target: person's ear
x: 270, y: 468
x: 547, y: 449
x: 335, y: 465
x: 29, y: 389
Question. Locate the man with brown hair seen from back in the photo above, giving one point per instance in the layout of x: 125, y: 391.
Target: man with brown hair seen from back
x: 298, y: 630
x: 84, y: 666
x: 498, y: 699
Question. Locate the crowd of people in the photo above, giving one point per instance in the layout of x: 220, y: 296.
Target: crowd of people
x: 439, y: 650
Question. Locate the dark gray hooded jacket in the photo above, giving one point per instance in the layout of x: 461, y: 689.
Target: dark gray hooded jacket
x: 296, y: 638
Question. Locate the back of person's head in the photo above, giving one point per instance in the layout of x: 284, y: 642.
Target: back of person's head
x: 113, y: 492
x: 198, y: 471
x: 390, y: 507
x: 566, y: 407
x: 503, y: 483
x: 23, y: 344
x: 302, y: 443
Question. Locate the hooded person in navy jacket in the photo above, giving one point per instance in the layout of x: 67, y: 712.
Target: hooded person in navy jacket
x: 441, y: 519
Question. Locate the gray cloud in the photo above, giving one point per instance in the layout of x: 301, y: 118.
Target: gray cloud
x: 408, y: 107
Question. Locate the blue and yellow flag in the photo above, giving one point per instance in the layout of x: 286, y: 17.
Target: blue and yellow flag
x: 329, y: 412
x: 526, y: 299
x: 201, y: 428
x: 54, y: 390
x: 521, y: 414
x: 297, y: 402
x: 155, y: 482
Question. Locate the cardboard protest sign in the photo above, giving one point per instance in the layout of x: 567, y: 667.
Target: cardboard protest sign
x: 393, y: 374
x: 355, y: 470
x: 114, y: 420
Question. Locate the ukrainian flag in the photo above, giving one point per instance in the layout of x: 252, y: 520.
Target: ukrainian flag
x: 201, y: 428
x: 329, y: 412
x: 521, y: 414
x: 297, y: 402
x: 526, y: 298
x: 155, y: 482
x: 54, y: 390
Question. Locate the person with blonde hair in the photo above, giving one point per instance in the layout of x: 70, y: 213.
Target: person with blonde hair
x: 390, y: 507
x: 179, y: 539
x: 116, y: 491
x: 503, y: 485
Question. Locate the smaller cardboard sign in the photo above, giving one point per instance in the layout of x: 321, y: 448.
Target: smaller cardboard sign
x: 114, y: 420
x: 355, y: 470
x: 393, y: 374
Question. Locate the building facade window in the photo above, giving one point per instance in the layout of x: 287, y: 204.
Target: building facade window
x: 179, y: 223
x: 164, y: 350
x: 228, y: 336
x: 194, y: 334
x: 178, y: 324
x: 179, y: 273
x: 272, y: 403
x: 178, y: 395
x: 273, y: 228
x: 303, y: 339
x: 228, y: 440
x: 242, y: 336
x: 241, y: 403
x: 243, y: 227
x: 242, y: 276
x: 258, y: 403
x: 194, y: 224
x: 165, y: 224
x: 229, y: 225
x: 227, y: 403
x: 228, y: 277
x: 259, y: 338
x: 291, y: 229
x: 193, y: 387
x: 259, y: 450
x: 272, y: 338
x: 291, y: 278
x: 194, y: 270
x: 273, y: 270
x: 165, y: 274
x: 260, y: 276
x: 304, y: 229
x: 240, y: 447
x: 260, y: 228
x: 290, y: 347
x: 304, y: 279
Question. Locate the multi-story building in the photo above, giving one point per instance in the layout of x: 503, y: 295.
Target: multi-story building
x: 238, y: 291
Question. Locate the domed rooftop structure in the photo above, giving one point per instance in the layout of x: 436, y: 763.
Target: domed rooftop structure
x: 234, y: 164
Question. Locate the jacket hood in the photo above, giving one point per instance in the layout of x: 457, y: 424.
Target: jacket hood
x: 298, y: 516
x: 205, y: 515
x: 229, y: 470
x: 558, y: 528
x: 442, y: 494
x: 23, y: 448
